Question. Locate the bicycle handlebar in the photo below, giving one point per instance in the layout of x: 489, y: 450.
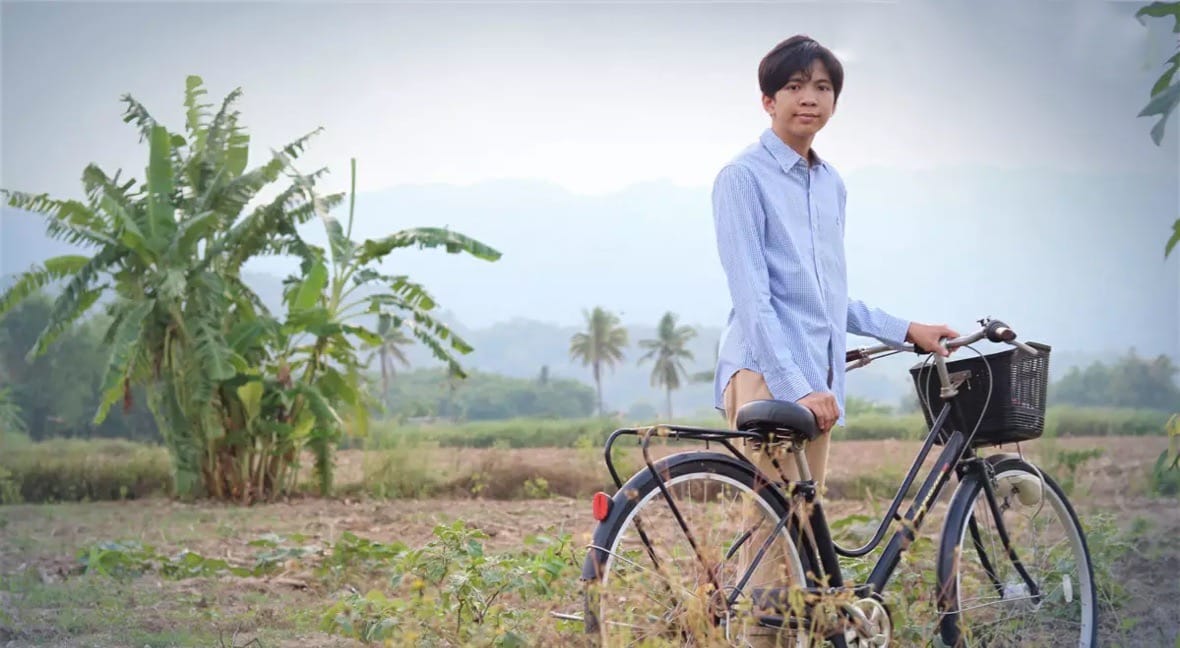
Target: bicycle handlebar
x: 994, y: 330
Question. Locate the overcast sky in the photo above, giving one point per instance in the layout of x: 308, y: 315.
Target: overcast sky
x: 596, y: 97
x: 590, y: 96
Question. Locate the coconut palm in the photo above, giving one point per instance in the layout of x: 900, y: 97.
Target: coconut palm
x: 602, y: 343
x: 390, y: 351
x: 668, y: 351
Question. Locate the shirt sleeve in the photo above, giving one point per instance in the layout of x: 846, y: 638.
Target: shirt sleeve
x: 740, y: 223
x: 874, y: 322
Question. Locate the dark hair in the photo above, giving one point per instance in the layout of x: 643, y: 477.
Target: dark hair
x: 796, y: 54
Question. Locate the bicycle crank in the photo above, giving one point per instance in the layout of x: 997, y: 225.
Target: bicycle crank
x: 871, y: 624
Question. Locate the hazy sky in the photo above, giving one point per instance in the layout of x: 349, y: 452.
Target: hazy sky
x: 591, y: 96
x: 596, y: 97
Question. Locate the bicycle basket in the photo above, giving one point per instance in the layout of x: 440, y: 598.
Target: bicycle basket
x: 1018, y: 390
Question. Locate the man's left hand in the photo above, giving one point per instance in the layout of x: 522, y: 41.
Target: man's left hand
x: 926, y: 336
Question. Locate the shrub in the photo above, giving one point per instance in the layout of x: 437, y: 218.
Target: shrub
x: 78, y: 470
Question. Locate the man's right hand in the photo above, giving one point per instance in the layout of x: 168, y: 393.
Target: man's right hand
x: 823, y: 405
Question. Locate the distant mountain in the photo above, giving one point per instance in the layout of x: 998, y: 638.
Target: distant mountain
x: 1073, y: 260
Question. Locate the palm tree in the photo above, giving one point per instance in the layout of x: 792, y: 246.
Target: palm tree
x: 668, y: 351
x: 390, y: 351
x: 601, y: 343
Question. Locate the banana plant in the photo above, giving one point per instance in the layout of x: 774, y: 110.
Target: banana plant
x: 166, y: 254
x: 338, y: 292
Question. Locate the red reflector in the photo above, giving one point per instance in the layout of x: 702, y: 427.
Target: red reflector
x: 601, y: 505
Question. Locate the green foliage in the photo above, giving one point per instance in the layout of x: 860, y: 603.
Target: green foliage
x: 1130, y: 381
x: 56, y: 393
x: 74, y: 470
x: 324, y: 303
x: 1164, y: 478
x: 236, y: 392
x: 1165, y: 93
x: 11, y: 419
x: 1108, y: 543
x: 449, y: 591
x: 452, y: 592
x: 167, y: 252
x: 124, y: 560
x: 482, y: 396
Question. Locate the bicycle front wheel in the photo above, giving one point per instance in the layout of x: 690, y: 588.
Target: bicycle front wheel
x: 665, y: 562
x: 1042, y: 592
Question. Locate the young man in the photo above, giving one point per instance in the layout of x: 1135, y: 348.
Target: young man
x: 778, y: 209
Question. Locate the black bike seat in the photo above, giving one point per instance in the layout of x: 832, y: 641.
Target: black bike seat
x: 777, y: 416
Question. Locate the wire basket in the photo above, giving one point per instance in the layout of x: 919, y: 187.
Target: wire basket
x: 1019, y: 383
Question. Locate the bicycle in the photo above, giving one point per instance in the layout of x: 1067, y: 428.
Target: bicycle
x: 799, y: 595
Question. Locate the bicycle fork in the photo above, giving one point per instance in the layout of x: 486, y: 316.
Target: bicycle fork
x: 989, y: 493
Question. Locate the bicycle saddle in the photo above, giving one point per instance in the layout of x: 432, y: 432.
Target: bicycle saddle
x: 777, y: 416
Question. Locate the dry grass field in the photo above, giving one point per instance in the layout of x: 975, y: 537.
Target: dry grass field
x: 298, y: 558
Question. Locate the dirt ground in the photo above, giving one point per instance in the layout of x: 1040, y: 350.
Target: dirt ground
x: 45, y: 601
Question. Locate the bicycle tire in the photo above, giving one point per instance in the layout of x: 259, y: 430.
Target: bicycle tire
x: 954, y: 540
x: 642, y: 489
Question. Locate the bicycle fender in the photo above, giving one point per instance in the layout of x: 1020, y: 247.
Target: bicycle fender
x: 624, y: 500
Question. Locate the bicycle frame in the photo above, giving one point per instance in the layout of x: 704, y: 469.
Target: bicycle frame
x: 957, y: 455
x: 956, y: 448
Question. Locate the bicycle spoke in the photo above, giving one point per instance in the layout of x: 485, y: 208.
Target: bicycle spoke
x: 994, y: 599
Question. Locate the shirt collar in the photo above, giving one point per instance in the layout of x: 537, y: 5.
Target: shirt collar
x: 786, y: 156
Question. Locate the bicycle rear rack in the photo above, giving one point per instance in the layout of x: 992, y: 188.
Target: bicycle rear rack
x: 726, y: 439
x: 678, y: 432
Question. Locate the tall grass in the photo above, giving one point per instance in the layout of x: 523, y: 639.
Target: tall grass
x: 79, y: 470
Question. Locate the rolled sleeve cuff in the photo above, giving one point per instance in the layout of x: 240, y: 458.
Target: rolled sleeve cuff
x: 894, y: 330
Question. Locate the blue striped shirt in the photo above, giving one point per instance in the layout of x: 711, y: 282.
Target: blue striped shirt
x: 780, y: 235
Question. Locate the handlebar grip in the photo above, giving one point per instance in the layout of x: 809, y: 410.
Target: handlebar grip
x: 920, y: 351
x: 998, y: 331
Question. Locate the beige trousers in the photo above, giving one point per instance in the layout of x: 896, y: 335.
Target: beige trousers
x: 743, y: 387
x: 746, y: 386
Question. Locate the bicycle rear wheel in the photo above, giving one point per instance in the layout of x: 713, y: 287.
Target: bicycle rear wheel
x: 646, y: 582
x: 986, y: 598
